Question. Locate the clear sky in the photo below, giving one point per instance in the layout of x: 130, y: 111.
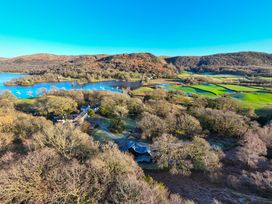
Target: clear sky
x: 163, y: 27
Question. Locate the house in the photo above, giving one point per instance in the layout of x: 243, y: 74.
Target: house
x: 141, y: 151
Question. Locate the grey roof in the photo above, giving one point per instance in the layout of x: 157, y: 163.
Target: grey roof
x: 138, y: 147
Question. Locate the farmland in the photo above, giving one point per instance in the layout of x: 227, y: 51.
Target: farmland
x: 219, y: 85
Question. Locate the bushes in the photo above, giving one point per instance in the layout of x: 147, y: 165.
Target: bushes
x: 265, y: 134
x: 119, y: 106
x: 222, y: 123
x: 224, y: 103
x: 135, y: 106
x: 160, y: 108
x: 7, y: 100
x: 182, y: 157
x: 54, y: 106
x: 264, y: 115
x: 25, y: 126
x: 117, y: 125
x: 187, y: 125
x: 7, y: 118
x: 252, y: 150
x: 157, y: 94
x: 203, y: 157
x: 114, y: 102
x: 67, y: 140
x: 110, y: 177
x: 151, y: 126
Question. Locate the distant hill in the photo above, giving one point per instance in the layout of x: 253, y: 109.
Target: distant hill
x: 89, y: 64
x: 2, y: 58
x: 40, y: 57
x: 32, y: 63
x: 141, y: 63
x: 247, y: 62
x: 253, y: 63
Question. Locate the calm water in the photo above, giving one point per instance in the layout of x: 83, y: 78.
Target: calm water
x: 38, y: 89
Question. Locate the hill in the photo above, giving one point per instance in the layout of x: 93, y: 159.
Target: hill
x: 137, y: 64
x: 90, y: 65
x: 240, y: 62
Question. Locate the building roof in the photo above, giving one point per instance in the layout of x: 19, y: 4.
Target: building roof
x: 138, y: 147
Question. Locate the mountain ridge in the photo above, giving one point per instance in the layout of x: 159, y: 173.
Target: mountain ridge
x: 242, y: 62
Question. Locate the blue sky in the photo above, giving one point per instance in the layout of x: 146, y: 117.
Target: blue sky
x: 163, y: 27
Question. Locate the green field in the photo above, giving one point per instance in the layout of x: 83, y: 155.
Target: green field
x: 213, y: 88
x: 212, y: 78
x: 239, y: 88
x: 141, y: 91
x: 192, y: 90
x: 251, y: 97
x: 254, y: 100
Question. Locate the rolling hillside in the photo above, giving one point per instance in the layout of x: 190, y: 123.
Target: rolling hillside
x: 252, y: 63
x: 241, y: 63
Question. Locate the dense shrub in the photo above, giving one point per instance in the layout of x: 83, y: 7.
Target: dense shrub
x: 7, y: 118
x: 264, y: 115
x: 225, y: 103
x: 160, y: 108
x: 54, y: 106
x: 117, y: 104
x: 135, y: 106
x: 7, y: 100
x: 110, y: 177
x: 67, y: 140
x: 157, y: 94
x: 76, y: 95
x: 187, y: 125
x: 25, y: 125
x: 183, y: 157
x: 222, y: 123
x: 250, y: 152
x: 151, y: 126
x: 265, y: 134
x: 6, y: 139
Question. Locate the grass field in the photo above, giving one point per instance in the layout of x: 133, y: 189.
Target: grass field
x: 141, y: 91
x: 191, y: 90
x: 212, y: 78
x: 250, y: 96
x: 239, y: 88
x: 213, y: 88
x: 254, y: 100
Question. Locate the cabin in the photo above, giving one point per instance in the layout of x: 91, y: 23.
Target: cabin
x: 140, y: 151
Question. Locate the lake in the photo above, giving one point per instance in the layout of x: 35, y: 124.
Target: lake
x: 38, y: 89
